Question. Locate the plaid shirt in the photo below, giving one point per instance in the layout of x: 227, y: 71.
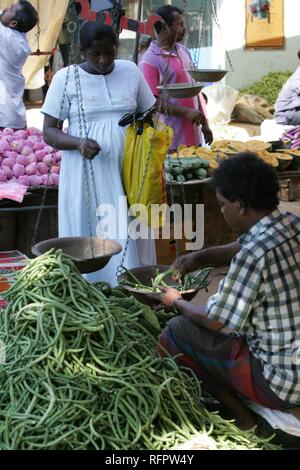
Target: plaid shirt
x: 260, y: 299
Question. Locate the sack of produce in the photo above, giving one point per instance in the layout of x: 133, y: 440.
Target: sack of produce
x: 252, y: 109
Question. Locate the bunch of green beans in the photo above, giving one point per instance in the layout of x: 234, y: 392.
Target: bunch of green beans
x: 198, y: 280
x: 82, y: 372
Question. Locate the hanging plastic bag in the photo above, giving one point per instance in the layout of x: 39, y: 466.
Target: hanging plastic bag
x: 144, y: 155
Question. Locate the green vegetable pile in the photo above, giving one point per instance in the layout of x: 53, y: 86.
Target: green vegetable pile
x: 82, y: 372
x: 198, y: 280
x: 185, y: 169
x: 268, y: 87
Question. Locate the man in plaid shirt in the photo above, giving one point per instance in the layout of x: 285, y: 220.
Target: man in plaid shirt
x: 245, y: 342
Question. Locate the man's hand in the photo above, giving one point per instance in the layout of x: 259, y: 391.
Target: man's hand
x: 89, y: 148
x: 169, y: 295
x: 185, y: 264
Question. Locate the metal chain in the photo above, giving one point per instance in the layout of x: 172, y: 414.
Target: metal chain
x: 72, y: 31
x: 120, y: 268
x: 87, y: 166
x: 172, y: 185
x: 216, y: 20
x: 200, y: 37
x: 45, y: 192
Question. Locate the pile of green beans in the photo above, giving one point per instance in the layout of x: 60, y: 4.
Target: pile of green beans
x: 82, y: 372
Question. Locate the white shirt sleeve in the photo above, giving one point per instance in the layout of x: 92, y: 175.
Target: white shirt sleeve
x: 57, y: 105
x: 145, y: 98
x: 5, y: 35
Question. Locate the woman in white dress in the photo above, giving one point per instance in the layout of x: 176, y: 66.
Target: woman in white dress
x: 110, y: 89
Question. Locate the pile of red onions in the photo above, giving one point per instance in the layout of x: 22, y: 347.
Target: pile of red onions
x: 27, y: 159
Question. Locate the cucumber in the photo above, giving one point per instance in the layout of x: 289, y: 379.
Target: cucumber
x: 204, y: 163
x: 189, y: 176
x: 168, y: 177
x: 177, y: 171
x: 201, y: 173
x: 168, y: 165
x: 180, y: 178
x: 196, y: 165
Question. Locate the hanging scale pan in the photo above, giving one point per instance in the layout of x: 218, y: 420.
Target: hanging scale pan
x: 182, y: 90
x: 206, y: 75
x: 90, y: 253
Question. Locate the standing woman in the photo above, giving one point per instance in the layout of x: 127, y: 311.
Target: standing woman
x: 110, y: 88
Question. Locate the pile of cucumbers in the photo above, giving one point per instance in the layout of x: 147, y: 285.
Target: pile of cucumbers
x: 185, y: 169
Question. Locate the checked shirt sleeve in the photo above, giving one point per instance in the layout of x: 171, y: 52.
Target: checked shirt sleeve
x: 238, y: 293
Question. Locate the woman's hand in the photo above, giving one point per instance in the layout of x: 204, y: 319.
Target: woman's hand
x: 89, y: 148
x: 208, y: 135
x: 195, y: 116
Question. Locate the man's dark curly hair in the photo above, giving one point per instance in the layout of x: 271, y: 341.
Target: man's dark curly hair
x: 247, y: 178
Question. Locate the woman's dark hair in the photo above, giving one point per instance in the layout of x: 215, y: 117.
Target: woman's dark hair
x: 27, y: 17
x: 298, y: 54
x: 92, y: 31
x: 167, y: 13
x: 247, y: 178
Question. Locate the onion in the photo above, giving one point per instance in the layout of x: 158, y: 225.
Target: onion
x: 35, y: 180
x: 43, y: 168
x: 54, y: 169
x: 22, y: 160
x: 8, y: 162
x: 33, y: 138
x: 48, y: 149
x: 37, y: 145
x: 48, y: 160
x: 8, y: 172
x: 10, y: 154
x: 31, y: 169
x: 21, y: 134
x: 4, y: 146
x: 18, y: 170
x: 9, y: 138
x: 17, y: 145
x: 54, y: 179
x: 24, y: 180
x: 32, y: 158
x: 40, y: 154
x: 45, y: 180
x: 2, y: 176
x: 27, y: 150
x: 34, y: 131
x: 8, y: 131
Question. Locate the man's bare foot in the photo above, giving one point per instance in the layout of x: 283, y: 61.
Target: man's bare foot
x: 245, y: 423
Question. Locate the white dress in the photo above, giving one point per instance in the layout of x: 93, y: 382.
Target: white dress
x: 106, y: 99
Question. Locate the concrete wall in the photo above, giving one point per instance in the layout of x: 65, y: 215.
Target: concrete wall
x: 250, y: 65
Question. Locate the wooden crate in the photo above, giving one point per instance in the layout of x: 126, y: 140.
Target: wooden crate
x: 289, y: 182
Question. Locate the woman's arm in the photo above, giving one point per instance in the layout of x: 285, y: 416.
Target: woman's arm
x: 55, y: 137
